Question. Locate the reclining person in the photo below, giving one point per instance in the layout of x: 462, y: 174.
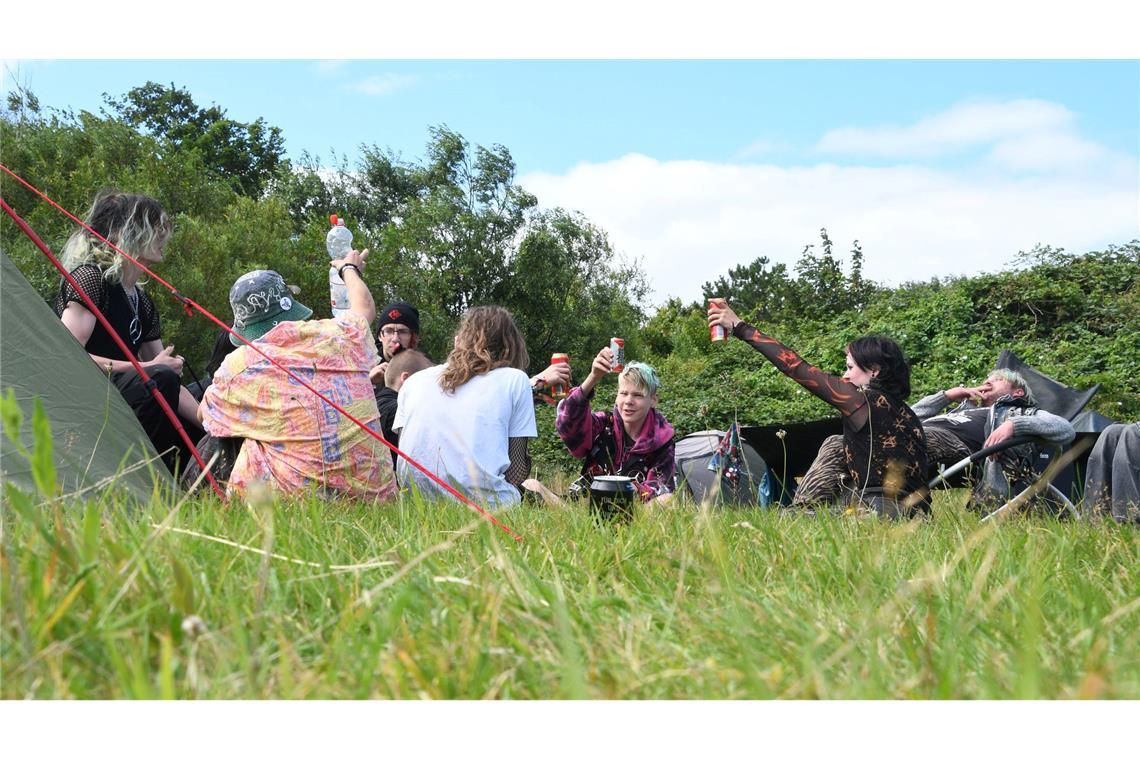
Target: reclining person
x: 293, y: 439
x: 1000, y: 408
x: 632, y: 439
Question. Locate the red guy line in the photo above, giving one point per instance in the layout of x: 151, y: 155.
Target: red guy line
x: 118, y: 341
x: 190, y: 305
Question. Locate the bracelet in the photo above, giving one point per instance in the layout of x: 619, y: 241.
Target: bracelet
x: 340, y: 272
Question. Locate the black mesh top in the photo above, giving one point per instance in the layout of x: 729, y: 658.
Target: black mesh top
x: 112, y: 301
x: 883, y: 440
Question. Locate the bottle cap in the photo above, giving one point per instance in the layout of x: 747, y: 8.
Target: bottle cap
x: 332, y: 219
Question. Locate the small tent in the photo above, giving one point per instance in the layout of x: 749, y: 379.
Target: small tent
x: 96, y: 440
x: 693, y: 454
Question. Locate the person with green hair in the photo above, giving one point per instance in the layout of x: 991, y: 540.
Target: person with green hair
x: 632, y: 439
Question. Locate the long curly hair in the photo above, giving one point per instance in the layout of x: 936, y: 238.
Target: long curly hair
x: 881, y: 353
x: 130, y: 221
x: 487, y: 339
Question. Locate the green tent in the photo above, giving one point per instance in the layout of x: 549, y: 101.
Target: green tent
x: 96, y: 440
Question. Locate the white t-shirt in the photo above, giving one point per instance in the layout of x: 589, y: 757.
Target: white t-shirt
x: 462, y: 437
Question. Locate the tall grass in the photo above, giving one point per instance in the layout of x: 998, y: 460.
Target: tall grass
x: 101, y: 601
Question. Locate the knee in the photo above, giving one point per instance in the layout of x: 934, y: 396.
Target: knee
x: 831, y: 445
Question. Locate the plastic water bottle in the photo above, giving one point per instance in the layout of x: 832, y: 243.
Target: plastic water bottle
x: 339, y: 243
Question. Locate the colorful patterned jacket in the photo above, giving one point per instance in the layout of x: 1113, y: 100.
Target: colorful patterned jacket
x: 599, y: 438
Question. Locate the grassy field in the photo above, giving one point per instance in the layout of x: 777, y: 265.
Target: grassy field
x: 424, y: 600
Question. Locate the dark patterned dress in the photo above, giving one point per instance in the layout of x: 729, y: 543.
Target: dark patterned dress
x: 884, y: 444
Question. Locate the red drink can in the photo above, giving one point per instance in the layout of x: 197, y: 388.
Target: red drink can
x: 559, y: 389
x: 617, y: 348
x: 718, y: 333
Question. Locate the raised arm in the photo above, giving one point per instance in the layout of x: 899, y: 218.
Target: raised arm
x: 359, y: 296
x: 575, y: 423
x: 839, y: 393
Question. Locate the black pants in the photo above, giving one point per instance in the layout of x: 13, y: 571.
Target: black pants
x: 161, y: 431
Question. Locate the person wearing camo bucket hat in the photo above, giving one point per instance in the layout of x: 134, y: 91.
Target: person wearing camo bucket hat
x: 260, y: 301
x: 293, y: 441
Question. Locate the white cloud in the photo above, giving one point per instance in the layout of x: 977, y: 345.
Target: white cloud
x: 962, y: 126
x: 1047, y: 151
x: 691, y: 221
x: 382, y: 84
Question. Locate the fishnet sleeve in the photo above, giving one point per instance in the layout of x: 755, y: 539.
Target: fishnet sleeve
x: 149, y: 320
x: 91, y: 282
x: 519, y: 468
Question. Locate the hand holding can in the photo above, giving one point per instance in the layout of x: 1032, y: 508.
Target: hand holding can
x: 718, y: 333
x: 617, y: 348
x: 560, y: 388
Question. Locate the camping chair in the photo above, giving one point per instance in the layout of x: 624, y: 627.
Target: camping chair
x: 1052, y: 396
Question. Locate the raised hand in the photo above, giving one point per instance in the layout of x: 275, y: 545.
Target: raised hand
x: 354, y: 257
x: 720, y: 313
x: 602, y: 366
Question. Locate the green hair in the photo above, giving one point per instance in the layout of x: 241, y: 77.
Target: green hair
x: 641, y: 375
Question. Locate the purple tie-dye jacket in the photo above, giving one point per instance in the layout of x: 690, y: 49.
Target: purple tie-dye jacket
x: 581, y: 430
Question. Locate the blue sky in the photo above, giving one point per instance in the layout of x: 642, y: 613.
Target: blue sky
x: 553, y: 114
x: 937, y: 167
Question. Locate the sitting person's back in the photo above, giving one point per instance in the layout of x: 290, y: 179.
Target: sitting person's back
x: 468, y: 420
x: 632, y: 439
x: 293, y: 440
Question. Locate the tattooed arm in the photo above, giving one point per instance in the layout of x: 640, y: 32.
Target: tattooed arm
x: 839, y: 393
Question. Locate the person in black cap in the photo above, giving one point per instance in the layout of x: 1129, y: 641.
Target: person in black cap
x: 397, y: 328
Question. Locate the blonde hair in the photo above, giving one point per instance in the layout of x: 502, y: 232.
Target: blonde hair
x: 1017, y: 380
x: 642, y: 376
x: 132, y: 222
x: 487, y: 339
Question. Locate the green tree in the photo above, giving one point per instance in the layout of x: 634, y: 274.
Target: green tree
x: 760, y: 290
x: 248, y: 155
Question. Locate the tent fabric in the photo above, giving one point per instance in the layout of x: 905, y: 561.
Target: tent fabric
x: 692, y: 454
x: 95, y: 435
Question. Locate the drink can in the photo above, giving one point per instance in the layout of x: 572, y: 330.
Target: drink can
x: 617, y: 348
x: 559, y: 389
x: 717, y: 333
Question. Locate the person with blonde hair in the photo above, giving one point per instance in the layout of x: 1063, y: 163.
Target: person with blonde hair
x: 137, y: 225
x: 632, y: 439
x: 469, y: 420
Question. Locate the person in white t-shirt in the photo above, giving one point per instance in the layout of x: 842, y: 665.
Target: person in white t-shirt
x: 468, y: 420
